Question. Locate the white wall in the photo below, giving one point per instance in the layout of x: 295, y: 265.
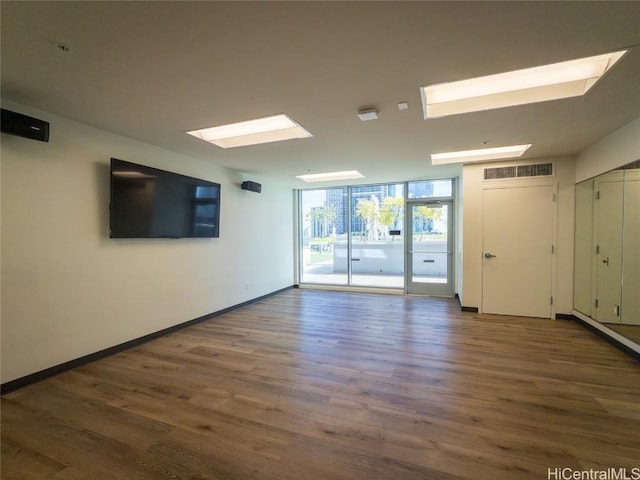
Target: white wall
x: 472, y: 186
x: 67, y: 290
x: 617, y: 149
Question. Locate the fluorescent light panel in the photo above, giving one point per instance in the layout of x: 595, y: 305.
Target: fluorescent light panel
x: 479, y: 155
x: 519, y: 87
x: 252, y: 132
x: 330, y: 176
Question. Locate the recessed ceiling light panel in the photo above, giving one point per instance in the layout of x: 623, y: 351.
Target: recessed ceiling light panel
x: 518, y: 87
x: 252, y: 132
x: 330, y: 176
x: 479, y: 155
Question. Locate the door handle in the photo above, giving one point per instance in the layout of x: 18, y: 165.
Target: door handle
x: 606, y: 261
x: 489, y: 255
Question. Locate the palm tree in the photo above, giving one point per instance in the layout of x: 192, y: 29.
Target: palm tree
x: 368, y: 211
x: 326, y: 216
x: 390, y: 212
x: 428, y: 215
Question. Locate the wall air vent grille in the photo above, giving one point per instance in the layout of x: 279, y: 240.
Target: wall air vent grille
x: 500, y: 172
x: 520, y: 171
x: 539, y: 170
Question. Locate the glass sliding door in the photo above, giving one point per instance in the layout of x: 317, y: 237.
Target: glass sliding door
x: 323, y: 253
x: 377, y: 240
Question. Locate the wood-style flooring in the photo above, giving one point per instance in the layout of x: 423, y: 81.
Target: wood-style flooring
x: 334, y: 385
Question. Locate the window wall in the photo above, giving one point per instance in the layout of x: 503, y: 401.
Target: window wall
x: 356, y: 235
x: 376, y: 244
x: 323, y: 224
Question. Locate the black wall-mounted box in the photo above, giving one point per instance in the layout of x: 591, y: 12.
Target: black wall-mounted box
x: 24, y: 126
x: 251, y: 186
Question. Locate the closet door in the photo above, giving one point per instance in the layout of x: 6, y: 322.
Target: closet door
x: 583, y: 300
x: 608, y: 261
x: 630, y: 309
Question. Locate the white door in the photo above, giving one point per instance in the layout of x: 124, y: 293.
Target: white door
x: 517, y: 240
x: 609, y: 251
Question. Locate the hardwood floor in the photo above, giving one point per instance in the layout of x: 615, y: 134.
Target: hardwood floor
x: 332, y: 385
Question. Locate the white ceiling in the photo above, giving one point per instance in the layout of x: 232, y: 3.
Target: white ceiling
x: 153, y: 70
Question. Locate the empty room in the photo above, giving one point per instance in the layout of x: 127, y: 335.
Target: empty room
x: 320, y: 240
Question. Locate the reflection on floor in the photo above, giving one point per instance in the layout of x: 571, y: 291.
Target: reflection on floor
x: 632, y: 332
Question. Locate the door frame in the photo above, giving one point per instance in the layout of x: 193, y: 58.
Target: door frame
x: 420, y: 288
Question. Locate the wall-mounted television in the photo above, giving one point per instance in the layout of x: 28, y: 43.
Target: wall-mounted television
x: 150, y: 203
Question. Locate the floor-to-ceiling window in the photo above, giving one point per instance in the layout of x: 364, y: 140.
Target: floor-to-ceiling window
x: 357, y: 236
x: 377, y: 241
x: 323, y: 225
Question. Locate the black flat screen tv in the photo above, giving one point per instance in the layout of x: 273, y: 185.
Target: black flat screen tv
x: 150, y: 203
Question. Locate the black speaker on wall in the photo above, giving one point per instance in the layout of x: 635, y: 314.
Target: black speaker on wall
x: 23, y: 126
x: 251, y: 186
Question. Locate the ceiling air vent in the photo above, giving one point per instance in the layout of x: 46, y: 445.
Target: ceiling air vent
x: 537, y: 170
